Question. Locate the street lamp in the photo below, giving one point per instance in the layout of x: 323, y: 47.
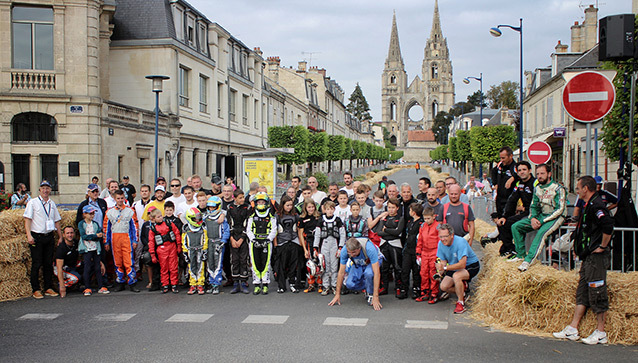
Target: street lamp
x: 157, y: 88
x: 480, y: 79
x: 496, y: 32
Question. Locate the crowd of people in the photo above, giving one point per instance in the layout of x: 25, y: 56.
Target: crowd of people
x: 349, y: 240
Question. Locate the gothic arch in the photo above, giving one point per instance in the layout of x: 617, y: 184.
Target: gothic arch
x: 409, y: 105
x: 434, y: 70
x: 393, y: 79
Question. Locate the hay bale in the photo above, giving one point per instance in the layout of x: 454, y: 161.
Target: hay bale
x: 14, y: 289
x: 542, y: 300
x: 13, y: 271
x: 482, y: 228
x: 14, y: 249
x: 11, y: 223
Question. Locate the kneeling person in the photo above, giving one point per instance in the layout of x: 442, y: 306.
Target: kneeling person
x: 458, y: 265
x: 363, y: 273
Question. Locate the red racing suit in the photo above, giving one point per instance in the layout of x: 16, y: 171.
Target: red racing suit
x: 426, y: 246
x: 161, y: 241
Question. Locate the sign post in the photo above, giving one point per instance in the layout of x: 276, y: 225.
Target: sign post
x: 588, y: 97
x: 539, y: 152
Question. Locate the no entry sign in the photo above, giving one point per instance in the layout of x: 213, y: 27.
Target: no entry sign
x: 539, y: 152
x: 588, y: 96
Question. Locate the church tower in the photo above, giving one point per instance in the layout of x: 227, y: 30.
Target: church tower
x: 394, y: 83
x: 437, y: 72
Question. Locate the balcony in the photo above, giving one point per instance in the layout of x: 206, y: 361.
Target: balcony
x: 133, y: 117
x: 33, y: 81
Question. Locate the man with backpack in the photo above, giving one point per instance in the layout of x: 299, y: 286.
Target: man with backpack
x: 363, y: 272
x: 458, y: 214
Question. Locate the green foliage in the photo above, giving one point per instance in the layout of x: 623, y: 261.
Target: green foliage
x: 318, y: 147
x: 504, y: 95
x: 475, y: 99
x: 369, y: 151
x: 487, y: 141
x: 347, y: 151
x: 440, y: 153
x: 461, y: 108
x: 441, y: 125
x: 358, y: 106
x: 453, y: 151
x: 396, y: 155
x: 336, y: 147
x: 386, y: 139
x: 322, y: 181
x: 463, y: 146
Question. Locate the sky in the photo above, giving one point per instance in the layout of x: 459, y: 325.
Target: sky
x: 350, y: 38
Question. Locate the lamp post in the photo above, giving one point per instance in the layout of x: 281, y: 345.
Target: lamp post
x: 466, y: 80
x: 157, y: 88
x: 497, y: 33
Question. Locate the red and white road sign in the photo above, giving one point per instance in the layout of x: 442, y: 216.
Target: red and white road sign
x: 539, y: 152
x: 589, y: 96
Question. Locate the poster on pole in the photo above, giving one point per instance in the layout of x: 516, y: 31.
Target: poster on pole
x: 262, y: 171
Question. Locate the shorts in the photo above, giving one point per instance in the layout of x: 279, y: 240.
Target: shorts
x: 592, y: 284
x: 473, y: 269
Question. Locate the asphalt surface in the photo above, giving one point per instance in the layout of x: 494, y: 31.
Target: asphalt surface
x: 277, y: 327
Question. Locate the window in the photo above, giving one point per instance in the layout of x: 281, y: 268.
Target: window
x: 183, y: 86
x: 49, y: 164
x: 550, y: 111
x: 543, y: 115
x: 435, y: 109
x: 180, y: 163
x: 194, y: 160
x: 244, y: 65
x: 203, y: 46
x: 208, y: 161
x: 393, y: 79
x: 179, y: 23
x: 244, y: 110
x: 21, y: 173
x: 255, y: 113
x: 230, y: 56
x: 393, y: 111
x: 220, y: 92
x: 203, y: 91
x: 33, y: 127
x: 435, y: 71
x: 236, y: 59
x: 190, y: 31
x: 232, y: 99
x: 32, y: 30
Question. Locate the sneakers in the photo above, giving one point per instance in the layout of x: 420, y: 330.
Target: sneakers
x: 369, y: 299
x: 383, y: 291
x: 264, y: 290
x: 597, y: 337
x: 319, y: 289
x: 87, y: 292
x: 344, y: 290
x: 164, y: 289
x: 50, y: 292
x: 281, y: 290
x: 333, y: 290
x: 402, y: 294
x: 513, y: 258
x: 133, y: 288
x: 524, y: 266
x: 104, y: 291
x: 38, y: 295
x: 192, y: 290
x: 200, y: 290
x: 444, y: 296
x: 216, y: 290
x: 293, y: 289
x: 460, y: 307
x: 422, y: 298
x: 244, y: 288
x: 325, y: 291
x: 416, y: 292
x: 119, y: 287
x: 257, y: 290
x: 174, y: 289
x: 570, y: 333
x: 310, y: 288
x: 235, y: 288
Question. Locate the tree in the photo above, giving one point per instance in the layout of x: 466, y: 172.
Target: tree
x: 358, y: 106
x: 463, y: 145
x: 487, y: 141
x: 347, y: 152
x: 296, y: 137
x: 335, y: 149
x: 461, y: 108
x: 317, y: 148
x: 475, y: 99
x: 386, y: 139
x: 504, y: 95
x: 453, y: 151
x: 441, y: 126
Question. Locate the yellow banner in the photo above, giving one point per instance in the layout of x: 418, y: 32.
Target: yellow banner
x: 262, y: 171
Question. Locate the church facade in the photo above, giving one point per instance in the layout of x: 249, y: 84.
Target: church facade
x: 433, y: 91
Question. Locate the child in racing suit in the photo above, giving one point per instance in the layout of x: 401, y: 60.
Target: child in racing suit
x: 427, y: 244
x: 261, y: 230
x: 163, y: 239
x: 237, y: 216
x: 330, y: 237
x: 218, y: 234
x: 195, y: 249
x: 287, y: 246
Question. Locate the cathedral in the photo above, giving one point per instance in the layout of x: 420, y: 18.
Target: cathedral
x: 432, y: 92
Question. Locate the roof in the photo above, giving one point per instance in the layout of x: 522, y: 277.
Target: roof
x: 149, y: 19
x: 420, y: 135
x: 475, y: 116
x: 497, y: 119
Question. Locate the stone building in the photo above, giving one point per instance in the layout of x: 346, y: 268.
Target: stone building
x: 433, y: 91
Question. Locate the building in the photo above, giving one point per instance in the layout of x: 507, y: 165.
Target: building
x: 432, y: 92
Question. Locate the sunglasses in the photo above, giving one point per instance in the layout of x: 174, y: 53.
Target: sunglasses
x: 94, y: 191
x: 175, y: 185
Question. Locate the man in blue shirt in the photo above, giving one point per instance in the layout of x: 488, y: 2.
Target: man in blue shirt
x: 363, y: 272
x: 457, y: 266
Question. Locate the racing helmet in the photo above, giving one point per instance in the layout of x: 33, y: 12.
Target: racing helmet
x: 261, y: 208
x: 194, y: 217
x: 216, y: 203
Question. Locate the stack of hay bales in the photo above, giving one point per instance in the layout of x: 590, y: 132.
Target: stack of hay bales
x: 434, y: 175
x: 542, y: 300
x: 15, y: 258
x: 373, y: 179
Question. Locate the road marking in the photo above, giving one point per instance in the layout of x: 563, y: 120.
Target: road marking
x: 188, y: 318
x: 346, y: 321
x: 426, y: 324
x: 265, y: 319
x: 114, y: 317
x: 38, y: 316
x: 588, y: 96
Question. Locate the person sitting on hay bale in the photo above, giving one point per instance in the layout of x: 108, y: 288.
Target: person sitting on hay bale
x: 547, y: 212
x: 591, y: 243
x: 457, y: 266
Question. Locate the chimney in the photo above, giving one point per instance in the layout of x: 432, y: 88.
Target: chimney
x: 576, y: 37
x: 302, y: 67
x: 322, y: 71
x: 560, y: 48
x: 258, y: 51
x: 274, y: 61
x: 589, y: 31
x: 273, y: 68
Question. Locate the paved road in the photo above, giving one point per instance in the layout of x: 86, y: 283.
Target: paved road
x: 155, y: 327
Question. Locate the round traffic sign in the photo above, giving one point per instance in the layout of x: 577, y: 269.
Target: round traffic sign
x: 539, y: 152
x: 588, y: 96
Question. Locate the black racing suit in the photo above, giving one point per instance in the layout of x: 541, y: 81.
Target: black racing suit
x: 237, y: 217
x: 409, y: 257
x: 501, y: 175
x: 523, y: 191
x: 391, y: 247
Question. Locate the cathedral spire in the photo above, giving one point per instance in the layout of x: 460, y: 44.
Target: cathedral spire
x: 394, y: 52
x: 436, y: 34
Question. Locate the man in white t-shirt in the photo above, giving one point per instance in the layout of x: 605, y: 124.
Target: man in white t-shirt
x: 177, y: 198
x: 317, y: 195
x: 112, y: 186
x: 189, y: 202
x: 140, y: 205
x: 349, y: 187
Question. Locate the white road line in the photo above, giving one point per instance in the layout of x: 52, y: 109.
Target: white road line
x: 346, y: 321
x: 426, y: 324
x: 114, y: 317
x: 588, y: 96
x: 188, y: 318
x: 38, y: 316
x: 265, y: 319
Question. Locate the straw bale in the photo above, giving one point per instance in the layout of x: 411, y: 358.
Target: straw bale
x: 482, y: 228
x: 13, y: 271
x: 435, y: 176
x: 12, y: 222
x: 542, y: 300
x: 14, y: 289
x: 13, y: 249
x: 377, y: 176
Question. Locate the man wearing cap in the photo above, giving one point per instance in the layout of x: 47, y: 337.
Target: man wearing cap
x: 216, y: 185
x: 93, y: 199
x: 157, y: 202
x: 128, y: 189
x: 41, y: 222
x: 162, y: 182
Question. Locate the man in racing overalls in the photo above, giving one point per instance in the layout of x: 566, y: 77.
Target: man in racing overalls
x: 261, y: 230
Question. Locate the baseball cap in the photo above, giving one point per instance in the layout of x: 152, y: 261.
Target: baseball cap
x: 160, y: 178
x: 89, y: 209
x: 92, y: 186
x: 125, y: 177
x: 215, y: 179
x: 45, y: 183
x: 598, y: 179
x: 160, y: 187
